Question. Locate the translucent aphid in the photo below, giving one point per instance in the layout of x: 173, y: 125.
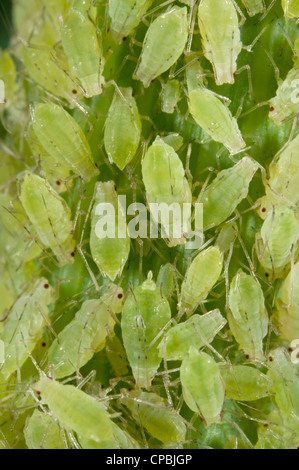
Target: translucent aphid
x: 287, y: 304
x: 277, y: 433
x: 165, y: 280
x: 174, y: 140
x: 145, y: 313
x: 220, y: 37
x: 154, y: 414
x: 274, y: 243
x: 171, y: 94
x: 42, y: 432
x: 125, y: 16
x: 245, y: 383
x: 169, y: 191
x: 62, y: 137
x: 290, y: 8
x: 282, y: 185
x: 109, y: 241
x: 122, y: 128
x: 253, y: 7
x: 247, y: 315
x: 163, y: 44
x: 86, y: 334
x: 285, y: 104
x: 116, y: 355
x: 76, y: 409
x: 84, y: 57
x: 120, y: 440
x: 8, y: 76
x: 24, y: 326
x: 203, y: 387
x: 50, y: 216
x: 225, y: 193
x: 198, y: 331
x: 200, y: 278
x: 226, y: 237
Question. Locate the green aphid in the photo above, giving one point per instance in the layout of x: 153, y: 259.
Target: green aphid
x: 8, y: 77
x: 120, y: 440
x: 125, y: 16
x: 285, y: 104
x: 43, y: 432
x: 290, y: 8
x: 253, y: 7
x: 174, y: 140
x: 165, y: 280
x: 287, y: 304
x: 245, y: 383
x: 145, y: 313
x: 171, y: 95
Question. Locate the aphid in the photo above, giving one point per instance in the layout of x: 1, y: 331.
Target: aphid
x: 50, y: 216
x: 253, y: 7
x: 24, y: 326
x: 247, y: 315
x: 220, y: 37
x: 120, y: 440
x: 285, y: 105
x: 287, y: 304
x: 278, y: 433
x: 174, y: 140
x: 165, y: 280
x: 116, y: 355
x: 62, y: 137
x: 225, y: 193
x: 2, y: 92
x: 290, y: 8
x: 125, y: 16
x: 145, y: 313
x: 226, y: 237
x: 274, y: 244
x: 76, y: 410
x: 152, y: 412
x: 163, y: 44
x: 86, y: 334
x: 245, y: 383
x: 122, y: 128
x: 42, y: 432
x: 197, y: 331
x: 110, y: 248
x: 84, y: 56
x: 203, y: 387
x: 167, y: 193
x: 171, y: 94
x: 200, y: 278
x: 8, y: 76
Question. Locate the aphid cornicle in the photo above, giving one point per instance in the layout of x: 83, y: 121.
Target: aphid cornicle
x: 247, y: 315
x: 62, y: 137
x: 24, y: 326
x: 42, y: 432
x: 109, y: 248
x: 163, y: 44
x: 203, y: 387
x: 198, y: 331
x: 155, y: 416
x: 84, y: 56
x: 145, y: 313
x: 290, y: 8
x: 285, y: 104
x: 220, y: 37
x: 125, y: 16
x: 200, y: 278
x: 253, y: 7
x: 245, y: 383
x: 225, y: 193
x: 50, y: 216
x: 86, y: 334
x: 122, y: 128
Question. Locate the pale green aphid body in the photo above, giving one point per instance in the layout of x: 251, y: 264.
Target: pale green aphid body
x: 203, y: 388
x: 76, y: 410
x: 110, y: 253
x: 120, y: 440
x: 253, y: 7
x: 245, y: 383
x: 24, y: 326
x: 42, y: 432
x: 171, y: 95
x: 278, y: 236
x: 86, y: 334
x: 122, y: 128
x: 8, y: 77
x: 282, y: 185
x: 155, y: 415
x: 145, y: 313
x: 285, y: 105
x: 220, y: 37
x: 165, y: 280
x: 247, y: 315
x: 225, y: 193
x: 50, y: 216
x: 290, y: 8
x: 174, y: 140
x: 287, y: 304
x: 163, y: 44
x: 171, y: 187
x: 62, y: 137
x: 197, y: 331
x: 84, y: 55
x: 226, y: 237
x: 125, y: 16
x: 278, y: 434
x: 200, y: 278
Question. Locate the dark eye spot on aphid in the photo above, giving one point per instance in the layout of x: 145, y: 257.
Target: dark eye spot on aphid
x: 44, y: 344
x: 266, y: 425
x: 74, y: 92
x: 37, y: 392
x: 152, y: 81
x: 271, y: 109
x: 271, y: 359
x: 120, y: 296
x: 46, y: 286
x: 115, y: 188
x: 290, y: 349
x: 102, y: 86
x: 267, y: 274
x: 124, y: 38
x: 58, y: 183
x: 72, y: 254
x: 234, y: 75
x: 264, y: 209
x: 247, y: 356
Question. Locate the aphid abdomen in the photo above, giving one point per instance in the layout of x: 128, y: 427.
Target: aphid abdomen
x: 245, y: 383
x: 42, y: 432
x: 220, y: 37
x: 253, y: 7
x: 163, y: 44
x: 125, y: 16
x: 290, y: 8
x: 286, y: 102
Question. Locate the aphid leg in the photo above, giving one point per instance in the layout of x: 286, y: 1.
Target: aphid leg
x: 267, y: 10
x: 249, y: 47
x: 250, y: 87
x: 243, y: 17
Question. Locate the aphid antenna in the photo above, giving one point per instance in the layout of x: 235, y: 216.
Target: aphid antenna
x: 249, y: 47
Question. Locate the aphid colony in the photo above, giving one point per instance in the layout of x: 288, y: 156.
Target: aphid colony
x: 121, y: 341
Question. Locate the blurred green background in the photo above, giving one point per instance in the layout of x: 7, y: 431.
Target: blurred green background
x: 5, y: 22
